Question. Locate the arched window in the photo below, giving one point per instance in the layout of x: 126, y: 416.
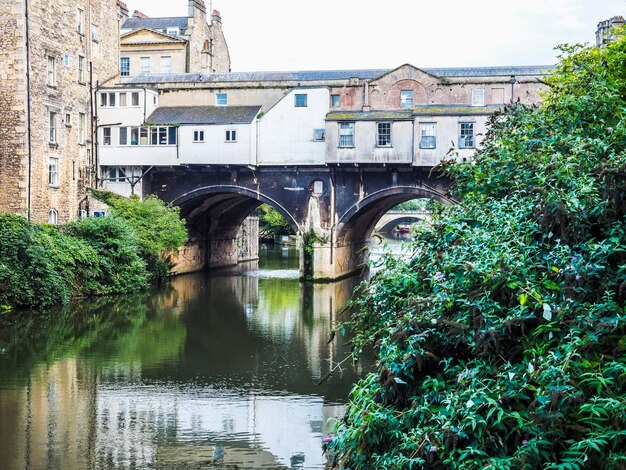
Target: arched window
x: 206, y: 46
x: 53, y: 216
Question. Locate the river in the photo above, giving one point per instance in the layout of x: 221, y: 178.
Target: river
x: 210, y: 371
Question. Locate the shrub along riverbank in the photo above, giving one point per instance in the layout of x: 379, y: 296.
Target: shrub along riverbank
x: 43, y: 265
x: 502, y: 342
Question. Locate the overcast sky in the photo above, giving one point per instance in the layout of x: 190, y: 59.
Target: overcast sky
x: 360, y: 34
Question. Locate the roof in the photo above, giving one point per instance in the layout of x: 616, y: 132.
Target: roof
x: 156, y: 23
x: 204, y: 115
x: 330, y: 75
x: 454, y: 110
x: 403, y: 115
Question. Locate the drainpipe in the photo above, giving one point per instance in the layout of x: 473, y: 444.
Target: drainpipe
x: 96, y: 151
x: 512, y: 80
x: 28, y: 116
x: 92, y: 117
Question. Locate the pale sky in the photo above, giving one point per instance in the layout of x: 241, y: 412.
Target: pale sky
x: 282, y: 35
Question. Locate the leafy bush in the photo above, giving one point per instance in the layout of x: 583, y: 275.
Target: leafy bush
x: 272, y: 222
x: 501, y: 342
x: 159, y: 228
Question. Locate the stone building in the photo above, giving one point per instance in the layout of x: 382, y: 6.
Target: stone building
x: 174, y: 44
x: 53, y: 54
x: 606, y: 29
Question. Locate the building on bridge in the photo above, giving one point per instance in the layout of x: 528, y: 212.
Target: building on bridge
x: 331, y: 150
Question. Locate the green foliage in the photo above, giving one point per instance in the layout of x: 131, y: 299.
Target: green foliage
x: 159, y: 228
x: 501, y: 341
x: 412, y: 205
x: 272, y: 222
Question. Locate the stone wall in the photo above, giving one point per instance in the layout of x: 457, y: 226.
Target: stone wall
x: 58, y: 87
x: 13, y: 136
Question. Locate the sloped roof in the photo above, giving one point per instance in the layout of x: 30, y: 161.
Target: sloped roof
x: 491, y: 71
x: 391, y: 115
x: 127, y: 38
x: 454, y: 110
x: 203, y: 115
x: 156, y: 23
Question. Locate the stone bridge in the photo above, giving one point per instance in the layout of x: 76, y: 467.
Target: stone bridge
x: 392, y: 219
x: 333, y: 209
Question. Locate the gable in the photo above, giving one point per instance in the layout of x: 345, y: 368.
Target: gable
x: 148, y: 36
x: 405, y: 72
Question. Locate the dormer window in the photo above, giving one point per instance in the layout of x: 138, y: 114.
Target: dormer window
x: 173, y: 31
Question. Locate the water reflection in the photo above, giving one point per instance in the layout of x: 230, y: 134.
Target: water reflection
x: 208, y: 372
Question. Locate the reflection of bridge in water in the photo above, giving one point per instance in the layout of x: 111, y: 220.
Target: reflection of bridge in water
x: 390, y: 220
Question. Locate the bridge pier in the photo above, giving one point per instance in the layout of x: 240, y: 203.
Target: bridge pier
x: 322, y: 260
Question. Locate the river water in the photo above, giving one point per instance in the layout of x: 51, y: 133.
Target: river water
x: 210, y: 371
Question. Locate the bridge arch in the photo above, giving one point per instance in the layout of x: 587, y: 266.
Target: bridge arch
x: 357, y: 223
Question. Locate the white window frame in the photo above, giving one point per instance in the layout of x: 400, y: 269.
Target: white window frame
x: 221, y: 99
x: 335, y: 101
x: 230, y: 136
x: 144, y: 63
x: 319, y: 135
x: 68, y: 119
x: 51, y: 68
x: 107, y: 136
x: 122, y: 100
x: 53, y: 127
x: 406, y: 98
x: 53, y: 172
x: 80, y: 21
x: 115, y: 174
x: 53, y: 217
x: 81, y: 128
x: 94, y: 32
x: 173, y: 31
x: 383, y: 139
x: 478, y: 97
x: 66, y: 59
x: 81, y: 69
x: 166, y: 64
x: 467, y: 137
x: 123, y: 136
x: 198, y: 135
x: 300, y: 100
x: 346, y: 134
x: 124, y: 66
x: 104, y: 100
x: 134, y: 98
x: 428, y: 135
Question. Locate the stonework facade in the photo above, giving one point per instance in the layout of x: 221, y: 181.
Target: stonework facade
x: 47, y: 147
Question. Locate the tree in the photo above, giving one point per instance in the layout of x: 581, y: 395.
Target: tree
x: 501, y: 342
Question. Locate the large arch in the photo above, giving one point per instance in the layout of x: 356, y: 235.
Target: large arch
x: 359, y: 221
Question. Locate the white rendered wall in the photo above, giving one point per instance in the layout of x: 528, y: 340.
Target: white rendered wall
x: 215, y: 150
x: 128, y: 115
x: 286, y: 131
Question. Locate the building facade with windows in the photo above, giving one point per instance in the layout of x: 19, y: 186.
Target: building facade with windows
x: 51, y: 56
x: 173, y: 44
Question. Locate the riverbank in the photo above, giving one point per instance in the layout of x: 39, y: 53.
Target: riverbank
x: 44, y: 265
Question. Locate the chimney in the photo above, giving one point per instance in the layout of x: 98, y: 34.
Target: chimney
x: 123, y: 9
x: 604, y: 33
x: 196, y: 5
x: 138, y: 14
x: 216, y: 17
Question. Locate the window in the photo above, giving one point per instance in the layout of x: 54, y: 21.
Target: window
x: 51, y: 79
x: 104, y: 99
x: 134, y: 98
x: 145, y: 65
x: 406, y: 99
x: 334, y: 101
x: 428, y: 136
x: 94, y: 32
x: 221, y: 99
x: 81, y: 128
x: 111, y: 100
x: 466, y: 137
x: 53, y: 127
x: 383, y: 134
x: 66, y: 59
x: 124, y: 66
x: 198, y: 136
x: 68, y: 119
x: 53, y: 216
x: 80, y: 21
x: 123, y: 136
x: 166, y: 64
x: 53, y: 171
x: 116, y: 174
x: 318, y: 135
x: 346, y: 134
x: 300, y: 100
x: 106, y: 136
x: 318, y: 187
x: 231, y: 136
x: 81, y: 69
x: 143, y: 136
x: 162, y: 136
x: 497, y: 95
x: 173, y: 31
x: 134, y: 136
x: 478, y: 97
x: 123, y: 100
